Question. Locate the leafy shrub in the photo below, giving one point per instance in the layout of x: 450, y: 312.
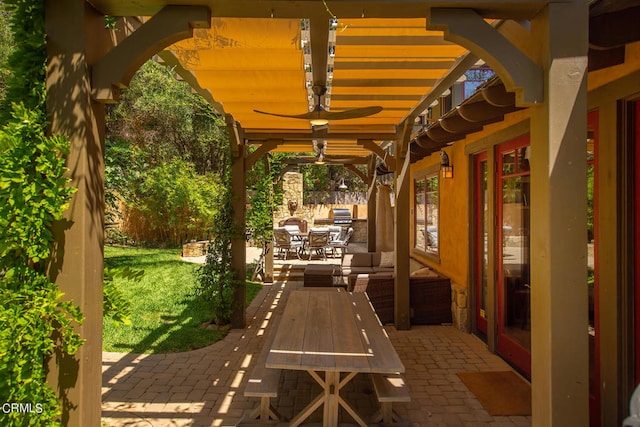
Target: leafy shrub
x: 173, y: 204
x: 115, y: 305
x: 216, y: 281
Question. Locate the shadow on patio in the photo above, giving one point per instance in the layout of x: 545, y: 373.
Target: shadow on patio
x: 205, y: 387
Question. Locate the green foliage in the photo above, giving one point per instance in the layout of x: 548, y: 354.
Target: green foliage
x: 115, y: 305
x: 27, y: 61
x: 216, y: 281
x: 590, y: 202
x: 109, y: 22
x: 173, y: 203
x: 123, y: 167
x: 264, y: 196
x: 35, y: 324
x: 315, y: 177
x: 163, y: 119
x: 32, y: 187
x: 164, y: 149
x: 166, y: 316
x: 321, y: 179
x: 6, y: 48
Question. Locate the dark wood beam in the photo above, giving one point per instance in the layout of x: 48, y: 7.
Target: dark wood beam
x: 359, y: 173
x: 443, y: 84
x: 605, y: 58
x: 615, y: 29
x: 513, y: 9
x: 263, y: 149
x: 116, y: 68
x: 481, y: 111
x: 429, y: 144
x: 334, y: 160
x: 438, y: 134
x: 498, y: 96
x: 258, y: 135
x: 387, y: 158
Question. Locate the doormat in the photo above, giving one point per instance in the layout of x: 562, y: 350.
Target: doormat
x: 500, y: 393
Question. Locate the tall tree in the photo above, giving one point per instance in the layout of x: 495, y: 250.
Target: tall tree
x: 162, y: 118
x: 164, y: 151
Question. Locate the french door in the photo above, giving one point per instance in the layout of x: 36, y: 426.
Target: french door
x: 592, y: 272
x: 482, y: 240
x: 513, y: 197
x: 636, y: 135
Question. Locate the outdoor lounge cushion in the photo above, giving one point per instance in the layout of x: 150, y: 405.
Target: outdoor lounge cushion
x: 387, y: 259
x: 363, y: 263
x: 362, y: 259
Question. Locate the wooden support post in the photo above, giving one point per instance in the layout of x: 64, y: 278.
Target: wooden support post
x: 371, y: 206
x: 402, y: 233
x: 76, y: 265
x: 268, y: 250
x: 559, y: 300
x: 238, y: 244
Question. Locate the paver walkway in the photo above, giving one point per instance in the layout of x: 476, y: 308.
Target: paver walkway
x: 205, y: 387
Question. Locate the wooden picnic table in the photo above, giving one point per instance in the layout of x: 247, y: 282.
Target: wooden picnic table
x: 337, y: 333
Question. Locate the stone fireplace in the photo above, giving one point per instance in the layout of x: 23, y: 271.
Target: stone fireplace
x: 292, y: 200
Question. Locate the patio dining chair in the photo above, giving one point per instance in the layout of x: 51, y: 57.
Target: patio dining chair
x: 335, y: 231
x: 341, y: 242
x: 294, y: 231
x: 285, y: 243
x: 319, y: 241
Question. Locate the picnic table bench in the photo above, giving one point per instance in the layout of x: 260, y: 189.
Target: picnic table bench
x: 264, y: 383
x: 389, y: 389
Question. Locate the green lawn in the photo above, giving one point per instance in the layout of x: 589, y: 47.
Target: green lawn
x: 166, y: 317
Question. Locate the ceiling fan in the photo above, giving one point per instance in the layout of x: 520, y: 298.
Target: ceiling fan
x: 319, y: 116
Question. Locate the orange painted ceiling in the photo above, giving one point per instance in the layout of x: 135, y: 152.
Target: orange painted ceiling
x: 268, y: 54
x: 265, y: 64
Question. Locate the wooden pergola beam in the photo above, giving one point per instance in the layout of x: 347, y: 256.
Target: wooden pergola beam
x: 263, y: 149
x: 387, y: 158
x: 116, y: 68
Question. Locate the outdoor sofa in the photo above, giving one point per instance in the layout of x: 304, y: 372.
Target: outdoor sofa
x: 429, y: 291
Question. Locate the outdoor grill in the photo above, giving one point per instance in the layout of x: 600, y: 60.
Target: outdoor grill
x: 342, y: 217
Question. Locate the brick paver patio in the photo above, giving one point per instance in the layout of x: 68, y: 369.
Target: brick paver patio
x: 205, y: 387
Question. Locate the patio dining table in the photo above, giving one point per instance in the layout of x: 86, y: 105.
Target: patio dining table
x: 333, y: 335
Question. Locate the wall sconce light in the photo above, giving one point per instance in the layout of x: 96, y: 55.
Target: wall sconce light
x: 445, y: 167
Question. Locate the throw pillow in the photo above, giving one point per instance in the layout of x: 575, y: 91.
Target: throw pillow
x: 387, y: 259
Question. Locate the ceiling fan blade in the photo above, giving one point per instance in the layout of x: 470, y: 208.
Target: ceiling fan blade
x: 306, y: 116
x: 330, y: 115
x: 350, y: 114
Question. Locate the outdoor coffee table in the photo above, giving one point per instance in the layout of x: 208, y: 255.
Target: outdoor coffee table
x: 326, y: 275
x: 337, y: 333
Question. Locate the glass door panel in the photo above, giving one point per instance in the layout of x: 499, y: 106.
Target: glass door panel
x: 514, y: 289
x: 592, y: 277
x: 482, y: 240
